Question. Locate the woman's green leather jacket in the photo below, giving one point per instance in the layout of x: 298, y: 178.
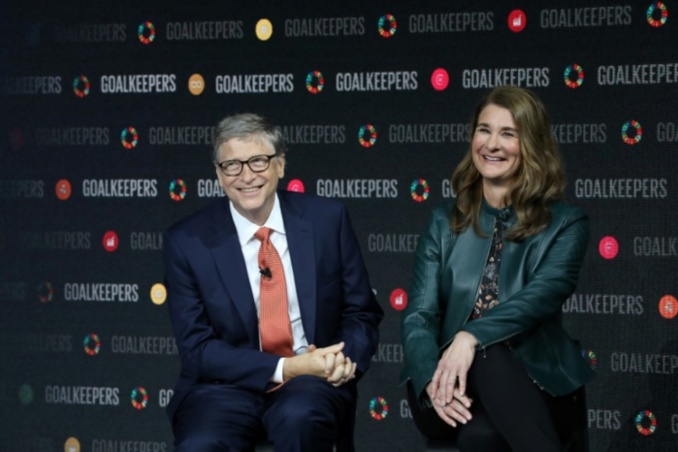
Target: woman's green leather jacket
x: 536, y: 277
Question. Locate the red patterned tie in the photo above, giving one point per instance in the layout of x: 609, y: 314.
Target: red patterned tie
x: 274, y: 320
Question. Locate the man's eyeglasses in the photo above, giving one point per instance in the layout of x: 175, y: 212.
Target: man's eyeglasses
x: 257, y: 164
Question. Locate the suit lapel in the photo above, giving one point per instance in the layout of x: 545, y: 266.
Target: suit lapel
x: 300, y: 242
x: 225, y: 249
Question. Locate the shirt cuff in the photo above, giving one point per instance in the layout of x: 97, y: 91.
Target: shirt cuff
x: 278, y: 375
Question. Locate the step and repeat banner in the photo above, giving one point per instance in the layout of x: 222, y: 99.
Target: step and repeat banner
x: 107, y: 117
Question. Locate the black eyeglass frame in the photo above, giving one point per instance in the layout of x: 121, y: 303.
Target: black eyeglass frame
x: 247, y: 162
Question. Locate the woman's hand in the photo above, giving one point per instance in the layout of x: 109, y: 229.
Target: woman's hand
x: 449, y: 379
x: 456, y: 411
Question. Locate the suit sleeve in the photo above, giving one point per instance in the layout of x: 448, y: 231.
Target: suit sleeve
x: 361, y: 313
x: 204, y: 357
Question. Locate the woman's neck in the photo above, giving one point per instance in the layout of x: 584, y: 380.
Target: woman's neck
x: 495, y: 196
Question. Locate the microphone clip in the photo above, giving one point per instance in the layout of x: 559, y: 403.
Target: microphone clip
x: 266, y: 272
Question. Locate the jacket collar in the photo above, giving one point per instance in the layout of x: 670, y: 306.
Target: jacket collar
x: 225, y: 248
x: 504, y: 214
x: 300, y: 236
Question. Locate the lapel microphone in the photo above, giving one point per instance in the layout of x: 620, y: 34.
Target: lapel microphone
x: 266, y: 272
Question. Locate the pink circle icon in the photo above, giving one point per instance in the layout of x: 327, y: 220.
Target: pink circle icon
x: 608, y: 247
x: 110, y: 241
x: 517, y: 21
x: 296, y: 185
x: 398, y: 299
x: 440, y: 79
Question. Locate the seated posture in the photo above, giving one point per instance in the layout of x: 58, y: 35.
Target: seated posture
x: 271, y: 306
x: 487, y: 361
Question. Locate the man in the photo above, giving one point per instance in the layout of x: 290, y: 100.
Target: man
x: 238, y: 383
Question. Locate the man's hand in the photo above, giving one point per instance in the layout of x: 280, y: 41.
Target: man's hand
x: 328, y: 363
x: 344, y: 370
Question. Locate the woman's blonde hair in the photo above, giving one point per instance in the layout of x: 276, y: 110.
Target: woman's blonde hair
x: 539, y: 180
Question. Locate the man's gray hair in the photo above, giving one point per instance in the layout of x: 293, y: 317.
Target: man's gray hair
x: 247, y: 126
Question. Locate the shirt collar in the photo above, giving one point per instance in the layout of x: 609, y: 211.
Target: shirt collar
x: 246, y: 228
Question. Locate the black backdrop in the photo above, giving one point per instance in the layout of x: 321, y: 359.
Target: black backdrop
x: 105, y: 143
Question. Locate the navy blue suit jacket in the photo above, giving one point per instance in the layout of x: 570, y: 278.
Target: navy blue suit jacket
x: 210, y: 300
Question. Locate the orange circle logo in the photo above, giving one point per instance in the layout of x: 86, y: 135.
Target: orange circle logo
x: 196, y: 84
x: 668, y: 306
x: 72, y: 445
x: 63, y: 189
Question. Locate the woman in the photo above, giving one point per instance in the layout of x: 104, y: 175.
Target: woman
x: 486, y: 358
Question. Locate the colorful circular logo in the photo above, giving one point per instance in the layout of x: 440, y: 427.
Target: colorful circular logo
x: 81, y: 86
x: 668, y: 306
x: 264, y: 29
x: 646, y: 423
x: 296, y: 185
x: 367, y: 136
x: 196, y: 84
x: 608, y: 247
x: 637, y: 132
x: 146, y: 32
x: 398, y: 299
x: 569, y: 71
x: 387, y: 25
x: 378, y: 408
x: 177, y: 189
x: 139, y: 398
x: 158, y: 294
x: 45, y: 292
x: 63, y: 189
x: 419, y: 190
x: 661, y: 11
x: 315, y: 82
x: 110, y: 241
x: 129, y: 138
x: 440, y: 79
x: 92, y: 344
x: 517, y: 20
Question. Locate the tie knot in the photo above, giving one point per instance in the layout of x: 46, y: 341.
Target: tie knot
x: 263, y: 234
